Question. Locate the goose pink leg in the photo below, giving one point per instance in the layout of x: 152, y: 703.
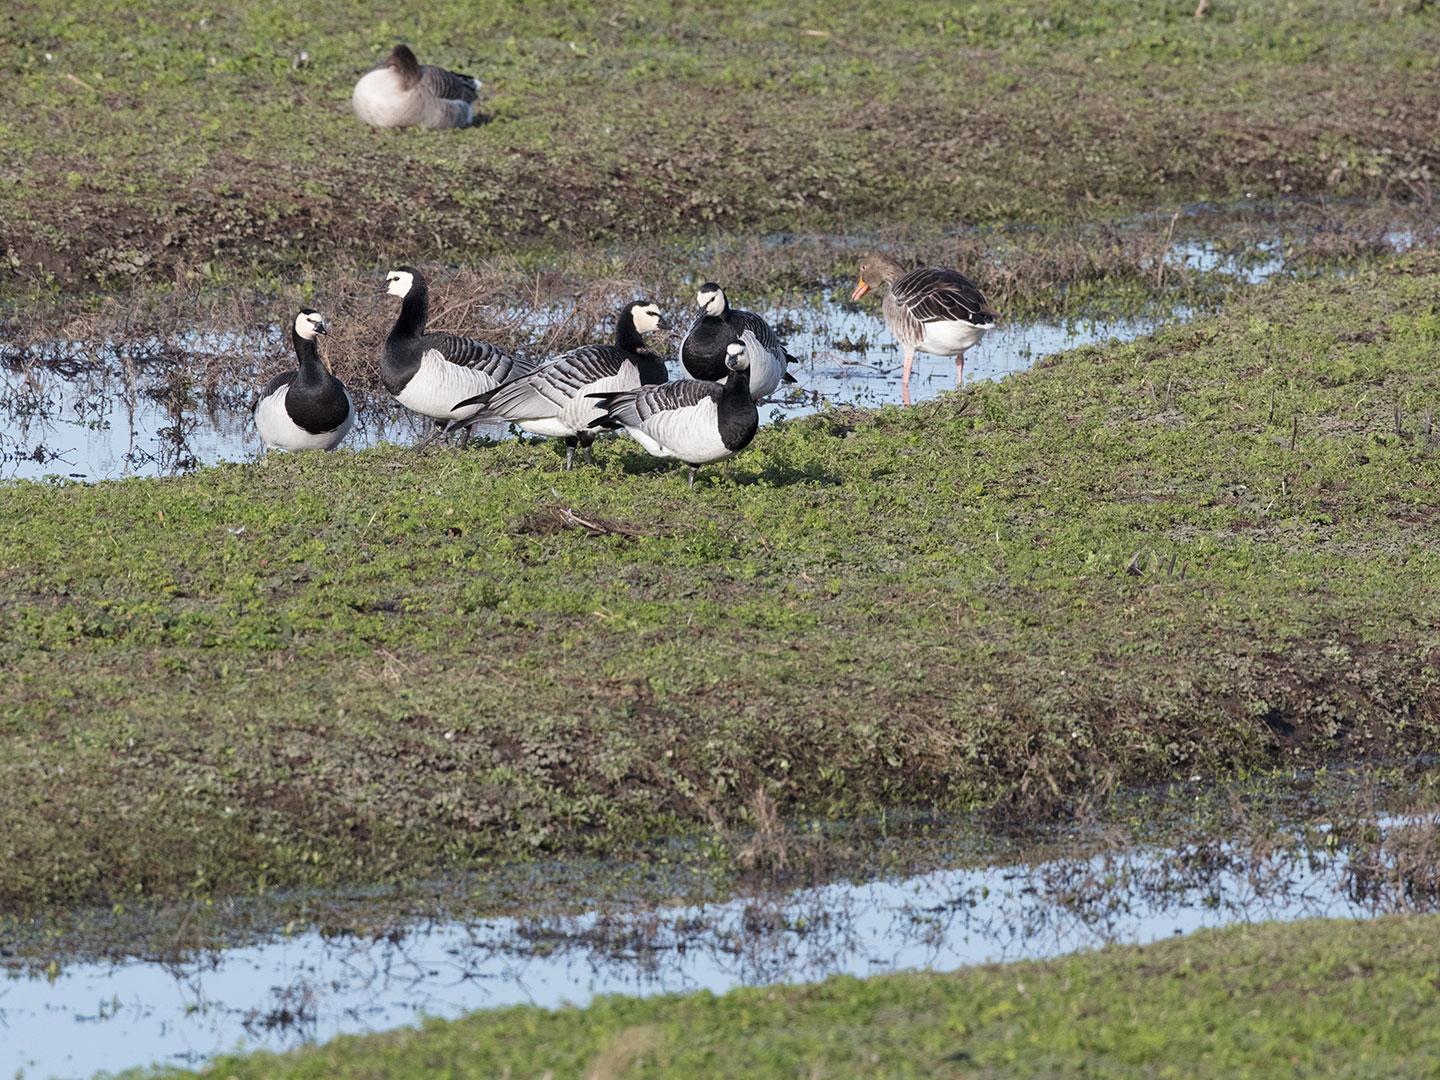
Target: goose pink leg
x: 959, y: 370
x: 905, y: 375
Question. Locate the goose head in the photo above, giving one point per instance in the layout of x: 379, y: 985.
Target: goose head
x: 737, y: 357
x: 309, y: 323
x: 711, y: 299
x: 402, y: 61
x: 401, y: 280
x: 876, y: 269
x: 646, y: 317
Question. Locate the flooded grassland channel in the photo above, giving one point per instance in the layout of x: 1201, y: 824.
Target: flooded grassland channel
x: 1133, y: 635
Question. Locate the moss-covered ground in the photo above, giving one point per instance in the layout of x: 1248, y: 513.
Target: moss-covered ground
x: 1321, y: 998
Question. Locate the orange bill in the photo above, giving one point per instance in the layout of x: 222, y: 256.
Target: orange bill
x: 860, y: 290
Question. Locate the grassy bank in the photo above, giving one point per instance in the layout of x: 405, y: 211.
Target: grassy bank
x: 155, y: 142
x: 1315, y: 998
x: 1195, y: 554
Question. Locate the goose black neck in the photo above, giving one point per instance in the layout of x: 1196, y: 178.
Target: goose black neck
x: 414, y: 310
x: 626, y: 336
x: 737, y: 389
x: 312, y: 369
x: 736, y: 413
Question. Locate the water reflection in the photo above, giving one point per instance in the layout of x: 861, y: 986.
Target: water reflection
x: 310, y: 986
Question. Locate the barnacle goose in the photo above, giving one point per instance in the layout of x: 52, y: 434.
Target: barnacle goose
x: 694, y: 420
x: 402, y: 92
x: 305, y: 409
x: 931, y: 310
x: 553, y: 399
x: 428, y: 373
x: 703, y: 349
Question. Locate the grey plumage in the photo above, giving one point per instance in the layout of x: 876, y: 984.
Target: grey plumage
x: 402, y: 92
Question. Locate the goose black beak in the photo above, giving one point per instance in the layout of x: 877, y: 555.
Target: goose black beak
x: 860, y: 290
x: 664, y: 323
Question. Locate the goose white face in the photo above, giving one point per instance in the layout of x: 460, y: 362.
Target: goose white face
x: 647, y: 318
x: 736, y: 356
x: 398, y: 282
x: 309, y: 323
x: 711, y: 299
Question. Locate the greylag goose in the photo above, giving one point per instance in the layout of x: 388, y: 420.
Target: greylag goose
x: 930, y: 310
x: 305, y: 409
x: 554, y: 400
x: 402, y: 92
x: 703, y: 350
x: 427, y: 372
x: 695, y: 420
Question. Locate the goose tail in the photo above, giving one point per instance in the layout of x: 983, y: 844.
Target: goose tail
x: 617, y: 409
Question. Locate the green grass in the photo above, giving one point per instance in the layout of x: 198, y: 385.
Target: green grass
x: 1319, y: 998
x: 1193, y: 555
x: 179, y: 142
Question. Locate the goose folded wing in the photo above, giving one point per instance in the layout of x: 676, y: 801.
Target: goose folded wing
x: 642, y: 407
x: 765, y: 337
x: 469, y: 353
x: 285, y: 378
x: 449, y: 85
x: 552, y: 386
x: 934, y: 294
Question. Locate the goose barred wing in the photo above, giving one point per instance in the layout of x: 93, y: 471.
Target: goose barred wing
x: 469, y: 353
x: 282, y: 379
x: 764, y: 335
x: 934, y: 294
x: 667, y: 397
x: 635, y: 408
x: 449, y: 85
x: 551, y: 386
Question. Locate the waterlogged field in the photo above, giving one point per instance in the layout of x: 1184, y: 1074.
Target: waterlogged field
x: 1179, y: 531
x: 163, y: 143
x: 1196, y: 553
x: 1323, y: 998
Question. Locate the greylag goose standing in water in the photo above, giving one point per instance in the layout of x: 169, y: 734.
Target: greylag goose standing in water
x: 931, y: 310
x: 695, y: 420
x: 553, y: 399
x: 305, y: 409
x: 703, y: 350
x: 426, y: 372
x: 402, y: 92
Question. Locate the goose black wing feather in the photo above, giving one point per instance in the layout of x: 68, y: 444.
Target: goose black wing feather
x: 467, y: 352
x: 935, y: 294
x: 557, y: 381
x: 634, y: 407
x: 450, y: 85
x: 768, y: 339
x: 283, y: 379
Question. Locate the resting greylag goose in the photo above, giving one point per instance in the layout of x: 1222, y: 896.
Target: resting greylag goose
x: 402, y: 92
x: 695, y: 420
x: 428, y: 373
x: 930, y: 310
x: 703, y: 350
x: 305, y: 409
x: 554, y: 400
